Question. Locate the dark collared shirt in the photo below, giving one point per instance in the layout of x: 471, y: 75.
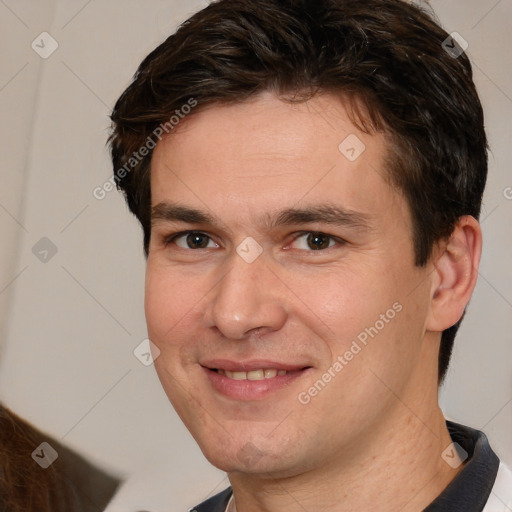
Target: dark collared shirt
x: 469, y: 491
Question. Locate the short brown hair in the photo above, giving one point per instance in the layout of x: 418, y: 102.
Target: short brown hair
x: 389, y: 56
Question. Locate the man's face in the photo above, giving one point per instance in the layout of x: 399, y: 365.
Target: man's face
x: 287, y: 307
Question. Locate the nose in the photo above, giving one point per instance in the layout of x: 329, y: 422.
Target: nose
x: 246, y: 300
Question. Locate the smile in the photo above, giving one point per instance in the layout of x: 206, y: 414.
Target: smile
x: 253, y: 374
x: 251, y: 380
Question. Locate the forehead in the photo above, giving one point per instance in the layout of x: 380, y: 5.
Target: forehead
x: 267, y: 153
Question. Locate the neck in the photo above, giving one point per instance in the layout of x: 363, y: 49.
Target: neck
x: 396, y: 465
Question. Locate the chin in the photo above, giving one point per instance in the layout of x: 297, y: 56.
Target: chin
x: 254, y: 458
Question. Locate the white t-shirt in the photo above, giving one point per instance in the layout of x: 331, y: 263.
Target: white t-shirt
x: 500, y: 499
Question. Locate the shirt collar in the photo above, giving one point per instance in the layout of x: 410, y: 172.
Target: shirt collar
x: 471, y: 488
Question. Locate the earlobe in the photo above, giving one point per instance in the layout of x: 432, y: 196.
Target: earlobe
x: 455, y: 274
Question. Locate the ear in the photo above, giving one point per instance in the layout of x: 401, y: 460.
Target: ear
x: 455, y: 273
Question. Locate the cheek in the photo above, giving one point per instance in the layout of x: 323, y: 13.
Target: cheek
x: 372, y: 314
x: 169, y: 301
x: 341, y: 302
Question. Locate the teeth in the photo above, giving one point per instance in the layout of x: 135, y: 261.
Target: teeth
x: 257, y: 375
x: 269, y: 373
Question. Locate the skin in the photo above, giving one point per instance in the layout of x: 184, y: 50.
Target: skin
x: 374, y: 433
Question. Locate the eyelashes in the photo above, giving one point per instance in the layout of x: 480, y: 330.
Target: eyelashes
x: 310, y: 241
x: 193, y: 240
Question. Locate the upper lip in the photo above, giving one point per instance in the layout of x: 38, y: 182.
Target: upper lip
x: 249, y: 365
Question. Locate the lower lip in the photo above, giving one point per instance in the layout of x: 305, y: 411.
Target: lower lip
x: 251, y: 389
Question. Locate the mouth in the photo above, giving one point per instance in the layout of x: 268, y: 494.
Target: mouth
x: 251, y: 380
x: 260, y: 374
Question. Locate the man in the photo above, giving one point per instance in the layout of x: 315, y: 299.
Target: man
x: 308, y: 176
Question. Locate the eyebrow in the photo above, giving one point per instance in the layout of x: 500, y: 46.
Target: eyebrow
x: 326, y: 214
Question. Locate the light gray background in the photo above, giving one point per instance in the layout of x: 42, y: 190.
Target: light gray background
x: 69, y: 326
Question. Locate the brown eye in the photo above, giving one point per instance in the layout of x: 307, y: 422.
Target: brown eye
x: 192, y: 240
x: 318, y: 241
x: 197, y: 240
